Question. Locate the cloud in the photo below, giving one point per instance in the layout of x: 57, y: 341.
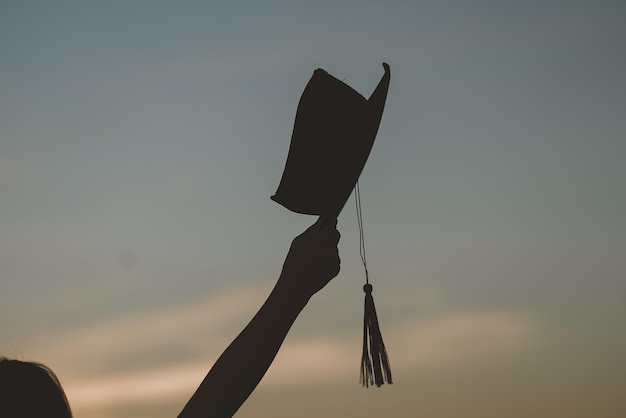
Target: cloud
x: 451, y: 339
x: 128, y: 340
x: 414, y: 344
x: 160, y: 384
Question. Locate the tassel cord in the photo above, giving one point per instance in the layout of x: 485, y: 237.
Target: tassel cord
x: 359, y: 217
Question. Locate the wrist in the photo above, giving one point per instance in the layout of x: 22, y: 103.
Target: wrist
x: 288, y: 294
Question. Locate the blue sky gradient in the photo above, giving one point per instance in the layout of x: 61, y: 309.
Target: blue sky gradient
x: 140, y: 142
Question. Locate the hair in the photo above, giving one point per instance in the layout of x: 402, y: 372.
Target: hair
x: 29, y: 389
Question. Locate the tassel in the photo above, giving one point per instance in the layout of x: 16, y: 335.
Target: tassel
x: 375, y: 369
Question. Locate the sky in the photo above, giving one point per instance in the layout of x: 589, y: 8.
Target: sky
x: 140, y: 142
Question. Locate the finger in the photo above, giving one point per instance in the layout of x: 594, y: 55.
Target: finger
x: 316, y: 227
x: 327, y: 222
x: 329, y: 226
x: 331, y: 252
x: 332, y: 236
x: 336, y: 237
x: 322, y: 235
x: 335, y: 266
x: 335, y: 255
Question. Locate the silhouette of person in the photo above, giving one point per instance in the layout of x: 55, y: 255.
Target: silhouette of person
x: 32, y: 390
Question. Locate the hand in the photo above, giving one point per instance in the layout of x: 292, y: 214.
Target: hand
x: 312, y: 261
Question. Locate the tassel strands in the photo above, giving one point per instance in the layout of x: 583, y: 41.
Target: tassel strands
x: 375, y: 368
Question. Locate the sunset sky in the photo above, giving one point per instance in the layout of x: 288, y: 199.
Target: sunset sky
x: 140, y: 142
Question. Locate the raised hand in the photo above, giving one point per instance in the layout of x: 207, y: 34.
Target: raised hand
x: 312, y: 261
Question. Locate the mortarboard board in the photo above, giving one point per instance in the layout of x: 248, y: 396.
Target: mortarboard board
x: 333, y: 135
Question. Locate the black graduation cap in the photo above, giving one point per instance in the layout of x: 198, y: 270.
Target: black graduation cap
x: 333, y: 135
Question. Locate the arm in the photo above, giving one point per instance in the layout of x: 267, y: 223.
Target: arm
x: 312, y: 261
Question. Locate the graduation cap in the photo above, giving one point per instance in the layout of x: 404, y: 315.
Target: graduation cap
x: 333, y: 134
x: 332, y: 137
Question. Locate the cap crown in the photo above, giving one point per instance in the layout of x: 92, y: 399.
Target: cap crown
x: 333, y: 135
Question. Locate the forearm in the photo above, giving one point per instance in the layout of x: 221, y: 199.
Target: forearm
x: 312, y: 261
x: 244, y: 363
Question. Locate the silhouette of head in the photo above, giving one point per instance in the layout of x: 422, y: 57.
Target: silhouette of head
x: 30, y: 390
